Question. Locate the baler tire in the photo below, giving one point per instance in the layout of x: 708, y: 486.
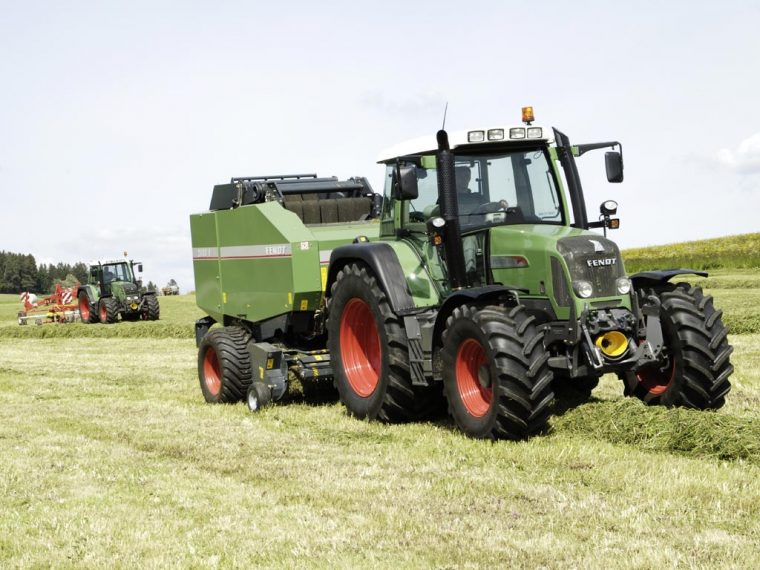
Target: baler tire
x: 152, y: 308
x: 108, y: 310
x: 363, y: 329
x: 88, y: 312
x: 224, y: 365
x: 696, y: 372
x: 258, y: 396
x: 513, y: 401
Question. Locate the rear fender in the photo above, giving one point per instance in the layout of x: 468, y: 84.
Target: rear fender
x: 384, y: 264
x: 91, y: 291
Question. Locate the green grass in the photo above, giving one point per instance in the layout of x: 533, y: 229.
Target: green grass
x: 111, y: 458
x: 110, y: 454
x: 733, y: 252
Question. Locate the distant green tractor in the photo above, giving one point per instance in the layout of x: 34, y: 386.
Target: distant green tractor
x: 113, y: 291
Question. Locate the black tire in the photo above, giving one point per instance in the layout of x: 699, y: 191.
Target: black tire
x: 224, y: 365
x: 496, y: 376
x: 369, y: 351
x: 258, y: 396
x: 152, y: 310
x: 88, y: 312
x: 108, y: 310
x: 695, y: 369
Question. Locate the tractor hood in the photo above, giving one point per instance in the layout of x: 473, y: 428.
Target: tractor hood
x: 549, y: 259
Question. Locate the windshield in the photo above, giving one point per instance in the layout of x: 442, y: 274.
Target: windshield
x: 505, y: 188
x: 116, y: 272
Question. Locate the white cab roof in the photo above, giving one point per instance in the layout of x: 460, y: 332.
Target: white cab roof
x: 428, y: 144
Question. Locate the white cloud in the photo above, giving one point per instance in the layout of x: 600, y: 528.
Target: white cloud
x: 745, y: 158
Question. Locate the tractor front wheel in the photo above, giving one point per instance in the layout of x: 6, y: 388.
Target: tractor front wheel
x: 152, y: 309
x: 694, y: 367
x: 496, y: 376
x: 87, y: 311
x: 108, y: 310
x: 224, y: 365
x: 369, y: 350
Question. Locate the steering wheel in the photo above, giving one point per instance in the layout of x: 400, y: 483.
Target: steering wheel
x: 491, y: 207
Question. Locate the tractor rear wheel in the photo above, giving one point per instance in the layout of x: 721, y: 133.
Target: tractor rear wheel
x: 87, y: 311
x: 108, y: 310
x: 694, y: 369
x: 369, y: 351
x: 224, y: 365
x: 152, y: 309
x: 496, y: 376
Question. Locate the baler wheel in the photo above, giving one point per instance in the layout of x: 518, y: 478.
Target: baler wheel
x: 258, y: 396
x: 87, y: 311
x: 694, y: 370
x: 108, y: 310
x: 496, y: 376
x: 224, y: 365
x: 369, y: 351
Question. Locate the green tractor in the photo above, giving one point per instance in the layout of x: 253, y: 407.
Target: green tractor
x: 113, y: 290
x: 475, y: 276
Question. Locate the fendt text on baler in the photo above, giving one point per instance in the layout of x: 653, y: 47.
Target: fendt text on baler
x: 474, y: 275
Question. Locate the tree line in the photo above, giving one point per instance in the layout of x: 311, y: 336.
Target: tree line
x: 19, y: 272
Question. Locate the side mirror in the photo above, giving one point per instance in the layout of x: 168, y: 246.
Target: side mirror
x: 405, y: 183
x: 139, y: 268
x: 613, y: 162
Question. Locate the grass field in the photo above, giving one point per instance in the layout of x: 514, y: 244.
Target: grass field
x: 111, y: 456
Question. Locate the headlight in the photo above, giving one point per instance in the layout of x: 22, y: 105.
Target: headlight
x: 584, y: 289
x: 623, y: 285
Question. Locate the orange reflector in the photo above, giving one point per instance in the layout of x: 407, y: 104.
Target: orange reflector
x: 614, y: 223
x: 527, y: 115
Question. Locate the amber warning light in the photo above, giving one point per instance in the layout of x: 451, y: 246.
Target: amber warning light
x: 527, y: 115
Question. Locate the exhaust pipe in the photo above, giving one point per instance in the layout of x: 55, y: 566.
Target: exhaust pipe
x: 449, y: 207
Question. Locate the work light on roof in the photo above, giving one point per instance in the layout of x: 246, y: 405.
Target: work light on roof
x: 476, y: 136
x: 517, y: 133
x: 495, y: 134
x: 535, y: 132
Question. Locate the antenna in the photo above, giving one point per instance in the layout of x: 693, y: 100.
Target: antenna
x: 445, y: 109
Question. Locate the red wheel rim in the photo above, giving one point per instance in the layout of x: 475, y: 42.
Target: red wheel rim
x: 84, y: 308
x: 656, y: 380
x: 211, y: 374
x: 103, y: 313
x: 473, y: 378
x: 360, y: 347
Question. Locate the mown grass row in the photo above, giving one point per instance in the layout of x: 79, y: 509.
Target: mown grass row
x: 732, y: 252
x: 690, y: 433
x: 157, y: 330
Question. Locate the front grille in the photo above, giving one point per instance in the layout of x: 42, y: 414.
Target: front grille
x: 593, y: 259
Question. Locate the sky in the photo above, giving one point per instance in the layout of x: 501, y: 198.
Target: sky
x: 117, y: 118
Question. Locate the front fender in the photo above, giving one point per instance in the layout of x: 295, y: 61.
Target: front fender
x: 651, y: 278
x: 488, y: 295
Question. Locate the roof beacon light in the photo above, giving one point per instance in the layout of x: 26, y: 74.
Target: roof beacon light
x: 495, y: 134
x: 527, y: 115
x: 476, y: 136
